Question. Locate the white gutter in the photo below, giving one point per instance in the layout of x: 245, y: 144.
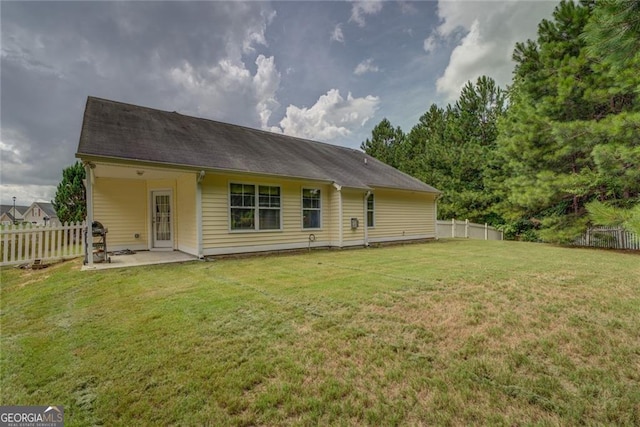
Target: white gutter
x: 366, y: 219
x: 435, y: 214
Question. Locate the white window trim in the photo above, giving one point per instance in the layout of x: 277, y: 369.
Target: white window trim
x: 302, y: 209
x: 373, y: 211
x: 256, y: 208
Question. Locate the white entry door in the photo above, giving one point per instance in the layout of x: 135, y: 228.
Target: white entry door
x: 162, y: 219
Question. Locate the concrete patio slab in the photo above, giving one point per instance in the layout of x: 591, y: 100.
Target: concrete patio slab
x: 142, y: 258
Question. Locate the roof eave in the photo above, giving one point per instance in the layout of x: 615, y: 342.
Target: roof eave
x: 120, y: 160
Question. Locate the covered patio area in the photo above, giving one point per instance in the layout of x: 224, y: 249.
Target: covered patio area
x: 138, y: 258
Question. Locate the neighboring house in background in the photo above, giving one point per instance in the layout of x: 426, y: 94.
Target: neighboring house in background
x: 41, y: 213
x: 8, y: 216
x: 161, y: 180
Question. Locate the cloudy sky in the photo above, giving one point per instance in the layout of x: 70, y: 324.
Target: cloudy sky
x: 328, y: 71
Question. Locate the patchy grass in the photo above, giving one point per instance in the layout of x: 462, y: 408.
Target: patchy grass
x: 447, y: 333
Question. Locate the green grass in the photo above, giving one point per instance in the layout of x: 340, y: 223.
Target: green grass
x: 443, y: 333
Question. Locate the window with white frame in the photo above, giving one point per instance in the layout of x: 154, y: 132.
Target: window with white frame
x: 311, y: 208
x: 243, y: 209
x: 269, y: 207
x: 370, y: 211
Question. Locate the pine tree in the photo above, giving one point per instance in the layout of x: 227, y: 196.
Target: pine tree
x: 70, y: 201
x: 385, y: 144
x: 450, y: 149
x: 571, y: 132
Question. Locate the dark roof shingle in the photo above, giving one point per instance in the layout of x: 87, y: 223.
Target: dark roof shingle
x: 123, y: 131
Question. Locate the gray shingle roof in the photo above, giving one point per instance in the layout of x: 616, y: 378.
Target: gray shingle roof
x: 48, y: 209
x: 122, y: 131
x: 6, y: 208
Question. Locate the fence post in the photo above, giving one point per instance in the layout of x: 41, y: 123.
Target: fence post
x: 453, y: 228
x: 5, y: 246
x: 486, y: 231
x: 620, y: 243
x: 466, y: 228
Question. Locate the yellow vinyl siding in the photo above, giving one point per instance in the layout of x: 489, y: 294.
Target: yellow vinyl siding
x: 352, y: 207
x: 332, y: 211
x: 186, y: 214
x: 215, y: 215
x: 121, y: 206
x: 402, y: 214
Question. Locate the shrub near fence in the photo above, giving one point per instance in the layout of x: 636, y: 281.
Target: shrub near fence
x: 609, y: 237
x: 454, y: 228
x: 25, y: 242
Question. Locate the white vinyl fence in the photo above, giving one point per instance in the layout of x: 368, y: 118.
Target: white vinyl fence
x: 24, y: 243
x: 454, y: 228
x: 609, y: 237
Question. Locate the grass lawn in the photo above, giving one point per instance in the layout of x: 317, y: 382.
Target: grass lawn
x: 443, y: 333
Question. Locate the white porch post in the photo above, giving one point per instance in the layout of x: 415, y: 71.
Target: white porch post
x: 88, y: 169
x: 340, y: 219
x: 199, y: 179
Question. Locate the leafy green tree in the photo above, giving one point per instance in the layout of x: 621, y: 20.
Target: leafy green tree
x: 607, y: 215
x: 70, y: 200
x: 451, y: 149
x: 571, y: 132
x: 386, y: 143
x: 613, y: 33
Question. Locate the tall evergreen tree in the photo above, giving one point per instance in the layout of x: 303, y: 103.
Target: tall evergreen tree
x: 571, y: 131
x: 450, y: 149
x: 386, y: 143
x: 70, y: 200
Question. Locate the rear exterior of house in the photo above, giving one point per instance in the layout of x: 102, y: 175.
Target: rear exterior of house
x: 163, y: 181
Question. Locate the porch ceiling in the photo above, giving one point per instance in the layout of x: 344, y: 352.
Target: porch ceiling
x: 104, y: 170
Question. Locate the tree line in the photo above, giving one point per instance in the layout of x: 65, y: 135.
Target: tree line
x: 557, y: 150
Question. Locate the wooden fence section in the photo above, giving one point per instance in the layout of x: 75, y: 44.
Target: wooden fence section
x: 25, y: 243
x: 468, y: 230
x: 609, y: 237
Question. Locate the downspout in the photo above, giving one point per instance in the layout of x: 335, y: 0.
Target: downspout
x: 366, y: 219
x: 340, y: 219
x: 88, y: 171
x: 199, y: 179
x: 435, y: 214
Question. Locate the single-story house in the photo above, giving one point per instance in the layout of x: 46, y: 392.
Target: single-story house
x: 161, y: 180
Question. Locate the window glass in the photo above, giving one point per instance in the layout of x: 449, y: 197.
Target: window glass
x: 311, y: 208
x: 370, y: 211
x: 243, y: 210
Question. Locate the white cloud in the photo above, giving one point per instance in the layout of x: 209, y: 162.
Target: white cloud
x: 491, y: 30
x: 228, y: 89
x: 361, y: 8
x: 337, y: 35
x: 470, y: 58
x: 256, y: 35
x: 330, y: 117
x: 266, y: 83
x: 430, y: 44
x: 26, y: 194
x: 366, y: 66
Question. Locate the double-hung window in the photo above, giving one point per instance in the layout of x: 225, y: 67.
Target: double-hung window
x: 269, y: 207
x: 244, y: 209
x: 311, y: 208
x: 370, y: 211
